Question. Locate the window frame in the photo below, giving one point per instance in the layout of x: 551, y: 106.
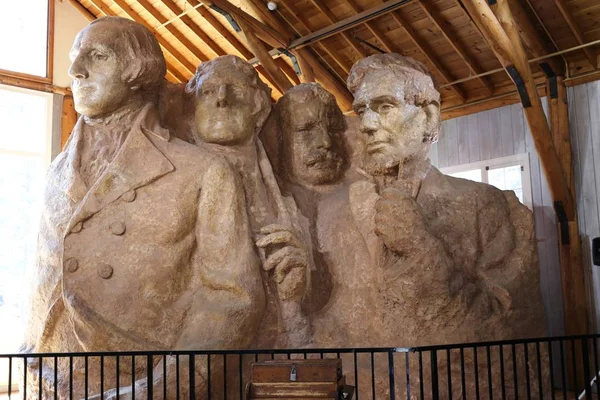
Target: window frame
x: 501, y: 162
x: 49, y: 56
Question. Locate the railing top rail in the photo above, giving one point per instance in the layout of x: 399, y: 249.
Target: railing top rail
x: 329, y: 350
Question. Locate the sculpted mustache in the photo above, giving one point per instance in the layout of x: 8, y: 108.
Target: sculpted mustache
x: 320, y: 156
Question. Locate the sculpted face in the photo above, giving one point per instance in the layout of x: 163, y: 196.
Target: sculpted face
x: 226, y: 107
x: 311, y: 142
x: 393, y: 130
x: 97, y: 71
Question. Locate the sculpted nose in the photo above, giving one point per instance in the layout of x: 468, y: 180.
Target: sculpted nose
x: 222, y: 96
x: 77, y: 70
x: 323, y: 140
x: 369, y: 122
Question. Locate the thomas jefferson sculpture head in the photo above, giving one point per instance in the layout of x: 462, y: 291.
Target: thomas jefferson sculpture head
x: 113, y: 62
x: 399, y: 108
x: 232, y: 103
x: 311, y: 124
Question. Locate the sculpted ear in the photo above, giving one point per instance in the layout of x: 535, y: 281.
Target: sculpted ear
x: 432, y: 122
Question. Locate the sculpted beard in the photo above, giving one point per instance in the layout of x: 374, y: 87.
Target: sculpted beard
x: 327, y: 159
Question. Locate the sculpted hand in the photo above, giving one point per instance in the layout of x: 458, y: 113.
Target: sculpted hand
x: 287, y: 257
x: 397, y: 220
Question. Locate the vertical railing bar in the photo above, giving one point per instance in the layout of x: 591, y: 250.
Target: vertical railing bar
x: 435, y: 393
x: 208, y: 378
x: 502, y: 377
x: 192, y: 376
x: 407, y: 376
x: 575, y: 389
x: 101, y: 377
x: 449, y: 372
x: 255, y: 357
x: 391, y: 375
x: 165, y: 377
x: 150, y: 376
x: 527, y: 378
x: 10, y: 378
x: 133, y: 377
x: 118, y: 375
x: 373, y: 375
x: 55, y: 383
x: 321, y: 355
x: 462, y: 374
x: 71, y: 377
x: 587, y: 375
x: 177, y: 389
x: 25, y: 378
x: 289, y: 355
x: 86, y: 376
x: 421, y: 386
x: 355, y: 375
x: 550, y: 361
x: 596, y: 367
x: 538, y: 354
x: 224, y: 376
x: 563, y: 368
x: 515, y: 378
x: 476, y: 370
x: 305, y: 355
x: 40, y: 368
x: 489, y: 371
x: 241, y: 377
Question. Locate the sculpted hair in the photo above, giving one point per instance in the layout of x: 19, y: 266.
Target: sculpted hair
x: 263, y: 96
x: 304, y: 93
x: 146, y: 66
x: 419, y: 86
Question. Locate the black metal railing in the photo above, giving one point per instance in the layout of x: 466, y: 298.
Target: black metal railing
x: 551, y: 368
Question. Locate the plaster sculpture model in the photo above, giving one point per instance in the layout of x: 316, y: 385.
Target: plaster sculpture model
x: 145, y: 241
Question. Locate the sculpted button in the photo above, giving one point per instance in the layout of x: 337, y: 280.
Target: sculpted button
x: 105, y: 271
x: 77, y: 227
x: 117, y: 228
x: 129, y: 196
x: 71, y: 265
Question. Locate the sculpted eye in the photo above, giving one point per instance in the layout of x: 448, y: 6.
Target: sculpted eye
x: 386, y: 107
x: 360, y: 112
x: 99, y: 56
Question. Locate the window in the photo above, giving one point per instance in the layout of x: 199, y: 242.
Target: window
x: 506, y: 173
x: 25, y: 151
x: 24, y: 37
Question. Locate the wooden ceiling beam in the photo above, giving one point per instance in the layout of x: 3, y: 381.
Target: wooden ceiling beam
x: 387, y: 45
x: 426, y: 50
x: 435, y: 16
x: 562, y: 7
x: 289, y: 71
x: 307, y: 74
x: 163, y: 43
x: 223, y: 31
x: 332, y: 19
x: 501, y: 31
x: 271, y: 68
x: 531, y: 38
x: 169, y: 27
x: 176, y: 10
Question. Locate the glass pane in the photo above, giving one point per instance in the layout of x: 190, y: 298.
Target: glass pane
x: 519, y: 193
x: 23, y: 36
x: 473, y: 175
x: 21, y: 185
x: 513, y: 177
x: 496, y: 177
x: 23, y: 121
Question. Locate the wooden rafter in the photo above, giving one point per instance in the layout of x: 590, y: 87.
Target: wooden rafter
x: 574, y: 27
x: 176, y: 10
x: 163, y: 43
x: 471, y: 63
x: 332, y: 19
x: 426, y: 50
x: 307, y: 72
x: 172, y: 30
x: 289, y: 71
x: 387, y: 44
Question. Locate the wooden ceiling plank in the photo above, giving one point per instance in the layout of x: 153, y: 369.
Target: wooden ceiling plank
x: 562, y: 7
x: 271, y: 68
x: 387, y: 44
x: 472, y: 64
x: 165, y: 46
x: 230, y: 37
x: 175, y: 9
x: 172, y: 30
x: 84, y: 11
x: 425, y: 49
x: 332, y: 19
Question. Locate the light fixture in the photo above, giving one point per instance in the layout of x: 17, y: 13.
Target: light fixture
x: 272, y: 6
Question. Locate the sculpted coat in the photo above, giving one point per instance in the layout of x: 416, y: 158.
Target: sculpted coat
x: 156, y: 254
